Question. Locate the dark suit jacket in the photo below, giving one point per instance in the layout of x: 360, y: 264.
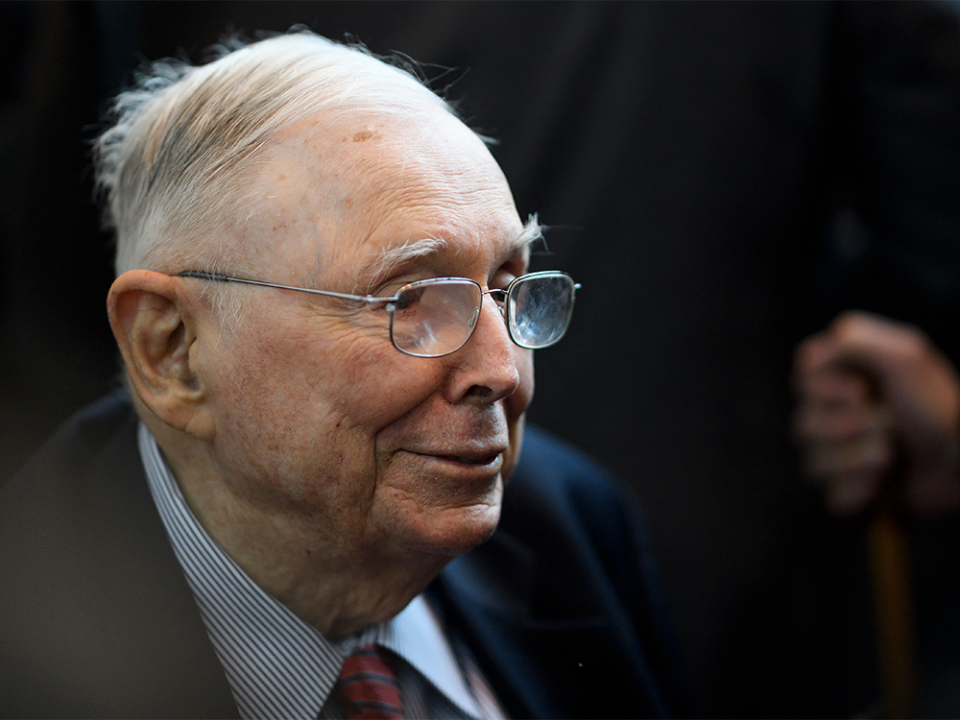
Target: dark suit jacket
x: 96, y: 619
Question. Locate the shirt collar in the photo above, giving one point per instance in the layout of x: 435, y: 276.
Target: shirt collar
x: 417, y: 636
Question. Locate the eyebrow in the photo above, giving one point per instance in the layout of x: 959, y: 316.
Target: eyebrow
x: 415, y: 249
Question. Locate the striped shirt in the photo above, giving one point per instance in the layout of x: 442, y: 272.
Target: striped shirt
x: 277, y: 665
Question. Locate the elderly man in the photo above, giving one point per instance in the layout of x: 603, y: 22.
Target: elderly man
x: 327, y: 324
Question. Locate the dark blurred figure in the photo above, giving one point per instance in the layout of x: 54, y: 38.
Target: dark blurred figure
x: 878, y: 422
x: 723, y: 178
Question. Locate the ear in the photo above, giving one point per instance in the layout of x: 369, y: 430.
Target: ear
x: 155, y: 327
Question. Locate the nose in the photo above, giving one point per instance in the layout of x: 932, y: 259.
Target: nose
x: 487, y: 367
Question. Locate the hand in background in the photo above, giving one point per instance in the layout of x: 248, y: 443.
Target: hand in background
x: 877, y: 397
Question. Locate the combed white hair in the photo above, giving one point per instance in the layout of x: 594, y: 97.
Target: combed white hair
x: 172, y: 165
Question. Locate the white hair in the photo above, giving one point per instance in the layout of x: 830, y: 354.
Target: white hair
x: 186, y: 137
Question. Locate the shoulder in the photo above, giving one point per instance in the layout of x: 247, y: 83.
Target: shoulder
x: 83, y: 438
x: 85, y: 470
x: 83, y: 478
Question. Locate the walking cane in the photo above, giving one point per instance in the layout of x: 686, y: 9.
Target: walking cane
x: 888, y: 547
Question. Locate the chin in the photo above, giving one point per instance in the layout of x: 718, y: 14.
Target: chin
x: 453, y: 532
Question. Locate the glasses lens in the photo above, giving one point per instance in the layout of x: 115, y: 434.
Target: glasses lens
x: 435, y: 318
x: 541, y: 306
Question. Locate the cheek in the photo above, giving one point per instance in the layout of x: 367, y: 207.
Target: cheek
x: 366, y: 386
x: 296, y: 407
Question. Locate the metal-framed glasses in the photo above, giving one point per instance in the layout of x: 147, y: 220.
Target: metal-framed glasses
x: 436, y: 317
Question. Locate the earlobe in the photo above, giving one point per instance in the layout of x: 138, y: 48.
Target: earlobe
x: 155, y: 328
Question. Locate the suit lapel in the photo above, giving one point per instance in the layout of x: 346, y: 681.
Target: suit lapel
x: 539, y: 665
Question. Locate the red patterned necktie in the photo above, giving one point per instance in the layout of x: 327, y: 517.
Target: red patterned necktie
x: 367, y: 688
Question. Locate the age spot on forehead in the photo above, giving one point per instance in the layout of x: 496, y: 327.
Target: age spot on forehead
x: 368, y: 133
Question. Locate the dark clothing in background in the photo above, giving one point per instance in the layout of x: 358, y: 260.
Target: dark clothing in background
x: 561, y: 608
x: 722, y: 178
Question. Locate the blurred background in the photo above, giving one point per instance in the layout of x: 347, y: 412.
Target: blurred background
x: 722, y: 178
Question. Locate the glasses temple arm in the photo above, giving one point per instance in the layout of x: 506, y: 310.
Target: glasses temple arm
x: 217, y: 277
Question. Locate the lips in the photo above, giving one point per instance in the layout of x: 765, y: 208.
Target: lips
x: 469, y: 451
x: 471, y: 459
x: 478, y: 456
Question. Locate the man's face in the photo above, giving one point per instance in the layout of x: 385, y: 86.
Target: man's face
x: 318, y: 416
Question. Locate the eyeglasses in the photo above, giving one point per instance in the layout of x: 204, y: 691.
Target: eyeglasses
x: 435, y: 317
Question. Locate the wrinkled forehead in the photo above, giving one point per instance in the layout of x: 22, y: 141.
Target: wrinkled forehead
x: 350, y: 190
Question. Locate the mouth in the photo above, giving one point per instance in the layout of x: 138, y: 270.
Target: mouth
x: 477, y: 459
x: 471, y: 459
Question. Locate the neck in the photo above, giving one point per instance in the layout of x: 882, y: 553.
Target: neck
x: 338, y: 590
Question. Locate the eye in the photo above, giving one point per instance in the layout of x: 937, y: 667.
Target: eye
x: 408, y: 299
x: 396, y: 288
